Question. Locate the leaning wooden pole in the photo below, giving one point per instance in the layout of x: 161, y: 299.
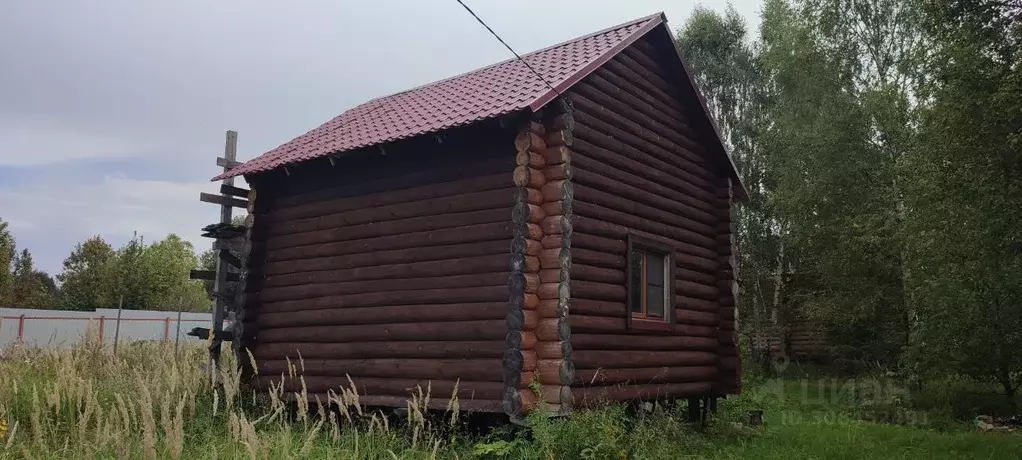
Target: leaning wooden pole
x: 220, y: 282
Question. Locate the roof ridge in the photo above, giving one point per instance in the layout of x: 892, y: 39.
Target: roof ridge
x: 530, y: 53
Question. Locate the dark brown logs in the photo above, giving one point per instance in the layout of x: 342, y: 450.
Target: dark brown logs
x: 591, y: 307
x: 440, y: 389
x: 310, y: 271
x: 597, y: 258
x: 592, y: 122
x: 616, y: 67
x: 689, y: 256
x: 673, y: 110
x: 590, y: 396
x: 583, y: 272
x: 690, y: 242
x: 696, y: 290
x: 307, y: 291
x: 682, y: 182
x: 596, y: 359
x: 585, y: 323
x: 460, y: 236
x: 381, y: 182
x: 452, y: 331
x: 440, y: 369
x: 631, y: 108
x: 598, y: 291
x: 635, y: 133
x: 583, y: 341
x: 599, y: 175
x: 351, y: 268
x: 598, y: 243
x: 366, y: 350
x: 564, y: 121
x: 650, y: 76
x: 293, y: 208
x: 691, y: 303
x: 698, y: 318
x: 729, y: 364
x: 490, y: 199
x: 729, y: 381
x: 694, y: 276
x: 388, y: 314
x: 644, y: 54
x: 391, y: 227
x: 643, y: 375
x: 616, y: 325
x: 616, y: 87
x: 383, y: 298
x: 696, y: 232
x: 474, y: 405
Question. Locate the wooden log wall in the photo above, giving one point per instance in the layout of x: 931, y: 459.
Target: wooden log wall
x: 251, y: 255
x: 729, y: 381
x: 520, y: 360
x: 639, y: 167
x: 556, y: 366
x: 806, y: 340
x: 393, y: 278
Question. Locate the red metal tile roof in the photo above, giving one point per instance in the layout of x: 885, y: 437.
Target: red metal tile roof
x: 492, y: 91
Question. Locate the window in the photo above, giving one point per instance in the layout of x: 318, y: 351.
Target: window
x: 650, y: 290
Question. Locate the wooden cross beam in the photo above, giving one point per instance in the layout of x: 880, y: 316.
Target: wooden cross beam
x: 229, y: 161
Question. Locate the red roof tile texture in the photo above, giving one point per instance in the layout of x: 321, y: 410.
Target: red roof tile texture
x: 489, y: 92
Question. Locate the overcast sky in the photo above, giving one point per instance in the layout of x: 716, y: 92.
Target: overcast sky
x: 112, y: 111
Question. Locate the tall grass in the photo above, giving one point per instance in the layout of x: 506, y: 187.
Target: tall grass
x: 154, y: 401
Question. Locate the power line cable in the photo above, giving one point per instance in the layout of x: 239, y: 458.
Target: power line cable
x: 501, y: 40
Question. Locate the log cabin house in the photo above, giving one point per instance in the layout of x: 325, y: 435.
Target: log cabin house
x: 502, y: 232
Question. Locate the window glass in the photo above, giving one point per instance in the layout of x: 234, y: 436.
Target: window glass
x: 655, y: 285
x: 636, y: 259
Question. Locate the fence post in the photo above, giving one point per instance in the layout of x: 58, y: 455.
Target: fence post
x: 166, y: 329
x: 117, y: 329
x: 102, y: 323
x: 21, y: 328
x: 177, y: 333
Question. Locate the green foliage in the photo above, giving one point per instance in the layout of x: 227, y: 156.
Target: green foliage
x: 964, y: 225
x: 88, y: 276
x: 21, y: 285
x: 728, y: 72
x: 7, y: 253
x: 155, y: 277
x: 880, y: 143
x: 31, y: 288
x: 832, y: 158
x: 146, y: 277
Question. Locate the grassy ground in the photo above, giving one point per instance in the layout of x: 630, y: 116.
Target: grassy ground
x: 150, y: 402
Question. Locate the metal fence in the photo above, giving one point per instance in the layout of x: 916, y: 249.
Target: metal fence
x: 64, y: 328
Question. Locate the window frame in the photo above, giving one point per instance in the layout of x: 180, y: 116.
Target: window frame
x: 639, y: 321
